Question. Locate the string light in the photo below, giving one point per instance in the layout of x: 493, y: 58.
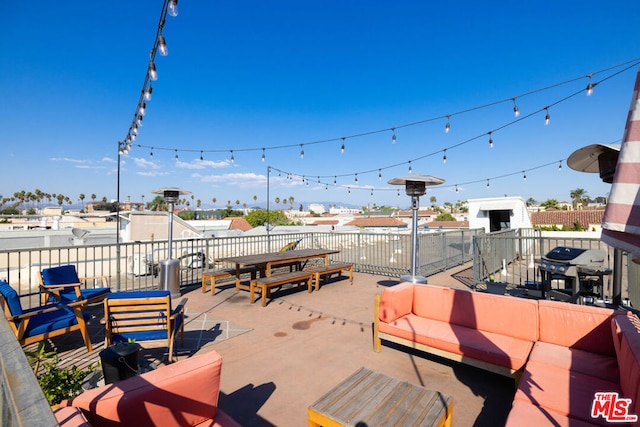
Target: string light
x: 398, y: 193
x: 201, y: 157
x: 342, y: 148
x: 151, y: 152
x: 379, y: 173
x: 444, y: 157
x: 547, y: 117
x: 372, y: 193
x: 232, y: 158
x: 147, y: 93
x: 153, y: 74
x: 176, y: 155
x: 335, y: 180
x: 447, y: 127
x: 590, y: 85
x: 560, y: 166
x: 162, y: 46
x: 490, y: 139
x: 488, y: 185
x: 263, y: 155
x: 142, y: 109
x: 393, y: 135
x: 516, y: 110
x: 173, y: 8
x: 356, y: 178
x: 524, y: 176
x: 301, y: 152
x: 410, y: 168
x: 456, y: 188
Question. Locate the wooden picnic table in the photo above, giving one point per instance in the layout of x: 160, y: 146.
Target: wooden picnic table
x: 265, y: 262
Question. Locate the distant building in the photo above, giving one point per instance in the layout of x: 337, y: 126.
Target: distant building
x: 344, y: 211
x: 317, y: 208
x: 498, y: 213
x: 378, y: 223
x: 588, y: 219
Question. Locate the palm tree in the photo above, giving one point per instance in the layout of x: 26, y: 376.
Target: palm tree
x: 291, y: 200
x: 81, y: 197
x: 578, y: 197
x: 198, y: 203
x: 255, y: 198
x: 157, y: 204
x: 214, y: 200
x: 277, y: 200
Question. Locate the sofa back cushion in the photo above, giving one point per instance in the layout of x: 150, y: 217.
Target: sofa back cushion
x: 514, y: 317
x: 627, y: 329
x: 183, y: 393
x: 395, y: 302
x: 577, y: 326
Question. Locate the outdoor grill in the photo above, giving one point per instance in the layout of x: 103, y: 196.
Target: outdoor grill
x: 575, y: 272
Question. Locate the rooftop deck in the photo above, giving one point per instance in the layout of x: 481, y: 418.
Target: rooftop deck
x: 279, y: 359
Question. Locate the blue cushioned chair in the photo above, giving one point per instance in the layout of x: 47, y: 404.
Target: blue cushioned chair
x: 40, y: 323
x: 143, y: 316
x: 63, y: 284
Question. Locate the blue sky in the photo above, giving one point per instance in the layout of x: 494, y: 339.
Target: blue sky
x: 289, y: 76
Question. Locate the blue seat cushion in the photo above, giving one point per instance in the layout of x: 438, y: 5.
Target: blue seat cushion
x: 11, y: 296
x: 139, y: 294
x: 51, y: 321
x: 92, y: 293
x: 62, y: 275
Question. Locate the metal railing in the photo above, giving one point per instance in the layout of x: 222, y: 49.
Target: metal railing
x: 511, y: 256
x: 387, y: 254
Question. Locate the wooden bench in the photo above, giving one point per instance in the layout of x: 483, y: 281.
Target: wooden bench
x: 212, y: 276
x: 266, y: 283
x: 327, y: 270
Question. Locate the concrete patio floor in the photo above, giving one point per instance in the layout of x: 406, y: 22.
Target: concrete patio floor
x: 279, y: 359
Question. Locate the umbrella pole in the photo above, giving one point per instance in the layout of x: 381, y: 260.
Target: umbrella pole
x: 617, y: 277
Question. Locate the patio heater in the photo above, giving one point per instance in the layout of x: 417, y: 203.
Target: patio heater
x: 415, y: 186
x: 603, y: 159
x: 170, y: 268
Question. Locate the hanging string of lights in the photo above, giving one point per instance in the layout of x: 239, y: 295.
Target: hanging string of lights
x: 169, y: 7
x: 591, y: 84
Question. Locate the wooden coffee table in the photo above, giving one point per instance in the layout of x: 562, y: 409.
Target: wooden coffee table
x: 370, y: 398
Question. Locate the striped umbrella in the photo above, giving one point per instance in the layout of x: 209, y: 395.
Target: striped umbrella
x: 621, y: 222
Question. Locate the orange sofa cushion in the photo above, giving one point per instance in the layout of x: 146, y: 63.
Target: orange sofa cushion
x: 183, y: 393
x: 629, y: 358
x: 566, y: 392
x: 572, y: 359
x: 498, y: 349
x: 478, y: 310
x: 68, y: 416
x: 577, y: 326
x: 396, y: 301
x: 524, y: 414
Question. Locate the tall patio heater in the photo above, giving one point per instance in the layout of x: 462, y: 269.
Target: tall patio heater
x: 415, y: 186
x: 170, y: 268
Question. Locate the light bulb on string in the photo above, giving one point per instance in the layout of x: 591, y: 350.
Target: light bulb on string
x: 201, y: 157
x: 491, y: 139
x: 457, y: 188
x: 318, y: 180
x: 232, y: 158
x: 176, y: 155
x: 488, y: 185
x: 142, y: 109
x: 398, y: 193
x: 326, y: 187
x: 301, y: 151
x: 379, y: 173
x: 447, y: 127
x: 342, y: 147
x: 173, y: 8
x: 371, y: 193
x: 393, y: 136
x: 139, y: 120
x: 560, y: 166
x: 263, y: 155
x: 335, y: 180
x: 153, y: 74
x: 547, y: 117
x: 524, y: 176
x: 349, y: 190
x: 147, y: 92
x: 162, y: 45
x: 151, y: 152
x: 590, y: 85
x: 516, y: 110
x: 410, y: 168
x: 356, y: 178
x: 444, y: 157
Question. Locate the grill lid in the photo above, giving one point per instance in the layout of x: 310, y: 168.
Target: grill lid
x: 576, y: 256
x: 562, y: 253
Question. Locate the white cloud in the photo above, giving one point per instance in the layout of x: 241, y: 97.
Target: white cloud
x: 144, y: 163
x: 152, y: 173
x: 202, y: 164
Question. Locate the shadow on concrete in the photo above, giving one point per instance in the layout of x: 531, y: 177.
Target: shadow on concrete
x: 243, y: 404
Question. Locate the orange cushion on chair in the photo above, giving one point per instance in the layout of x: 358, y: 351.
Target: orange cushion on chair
x: 183, y: 393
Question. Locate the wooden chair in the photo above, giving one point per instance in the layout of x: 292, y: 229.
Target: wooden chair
x: 143, y: 316
x: 44, y: 322
x: 63, y: 284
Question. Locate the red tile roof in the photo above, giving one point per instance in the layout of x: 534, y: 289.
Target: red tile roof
x: 326, y: 222
x: 238, y: 223
x: 568, y: 218
x: 447, y: 224
x: 377, y: 222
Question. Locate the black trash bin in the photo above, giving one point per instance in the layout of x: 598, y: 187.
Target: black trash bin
x: 120, y: 361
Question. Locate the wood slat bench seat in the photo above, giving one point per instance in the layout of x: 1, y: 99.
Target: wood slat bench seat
x: 327, y: 270
x: 212, y: 276
x: 266, y: 283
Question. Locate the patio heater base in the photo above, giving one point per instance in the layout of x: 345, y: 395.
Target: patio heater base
x: 413, y: 279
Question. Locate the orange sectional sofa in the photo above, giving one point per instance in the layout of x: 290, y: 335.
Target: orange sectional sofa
x: 560, y: 354
x: 184, y: 393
